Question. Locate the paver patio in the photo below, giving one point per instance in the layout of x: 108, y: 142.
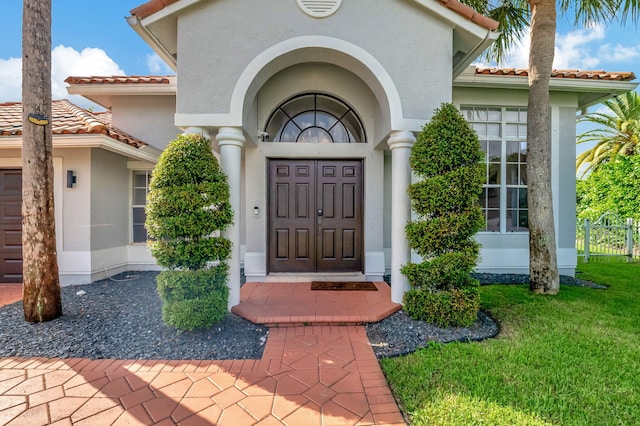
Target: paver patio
x: 10, y: 293
x: 314, y: 375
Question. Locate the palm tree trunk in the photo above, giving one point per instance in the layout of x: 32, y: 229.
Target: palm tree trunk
x: 543, y: 263
x: 41, y: 283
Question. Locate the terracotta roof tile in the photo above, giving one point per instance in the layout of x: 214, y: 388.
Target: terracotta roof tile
x: 576, y: 74
x: 470, y: 14
x: 118, y: 79
x: 67, y: 118
x: 153, y: 6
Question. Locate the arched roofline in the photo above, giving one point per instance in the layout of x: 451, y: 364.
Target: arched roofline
x: 279, y: 56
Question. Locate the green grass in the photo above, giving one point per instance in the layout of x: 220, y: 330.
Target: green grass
x: 570, y: 359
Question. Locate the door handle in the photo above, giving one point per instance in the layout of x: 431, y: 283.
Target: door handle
x: 320, y: 212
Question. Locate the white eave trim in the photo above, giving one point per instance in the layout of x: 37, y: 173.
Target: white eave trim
x: 146, y: 153
x: 167, y: 11
x: 555, y: 84
x: 453, y: 18
x: 152, y: 41
x: 123, y: 89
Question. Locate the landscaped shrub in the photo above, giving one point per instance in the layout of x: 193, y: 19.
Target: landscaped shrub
x: 187, y: 208
x: 444, y: 308
x: 446, y: 158
x: 193, y: 299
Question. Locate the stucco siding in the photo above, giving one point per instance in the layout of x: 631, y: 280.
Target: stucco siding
x: 567, y: 178
x: 149, y: 118
x: 414, y: 47
x: 109, y: 200
x: 76, y: 214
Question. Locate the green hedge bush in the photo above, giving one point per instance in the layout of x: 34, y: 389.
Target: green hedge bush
x: 455, y: 307
x: 446, y: 159
x: 193, y: 299
x: 187, y: 209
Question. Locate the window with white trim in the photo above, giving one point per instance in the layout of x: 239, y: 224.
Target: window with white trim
x: 503, y: 138
x: 140, y: 189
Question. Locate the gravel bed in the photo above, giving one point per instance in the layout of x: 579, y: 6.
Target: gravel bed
x: 399, y: 334
x: 487, y: 279
x: 121, y: 318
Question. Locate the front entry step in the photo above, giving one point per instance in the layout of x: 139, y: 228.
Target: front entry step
x: 286, y: 304
x: 288, y: 277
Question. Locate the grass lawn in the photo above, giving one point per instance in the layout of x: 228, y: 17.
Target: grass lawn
x: 571, y: 359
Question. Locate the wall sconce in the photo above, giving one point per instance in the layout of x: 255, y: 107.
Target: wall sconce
x: 256, y: 211
x: 71, y: 179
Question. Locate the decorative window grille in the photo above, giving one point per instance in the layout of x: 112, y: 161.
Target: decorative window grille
x: 314, y: 118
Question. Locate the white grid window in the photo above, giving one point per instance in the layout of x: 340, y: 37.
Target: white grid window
x: 503, y: 139
x: 140, y: 189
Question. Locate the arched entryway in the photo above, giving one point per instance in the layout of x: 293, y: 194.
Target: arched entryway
x: 315, y: 216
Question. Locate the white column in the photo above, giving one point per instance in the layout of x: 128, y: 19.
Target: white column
x: 400, y: 144
x: 230, y: 140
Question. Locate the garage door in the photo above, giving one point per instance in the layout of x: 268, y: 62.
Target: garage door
x: 10, y: 226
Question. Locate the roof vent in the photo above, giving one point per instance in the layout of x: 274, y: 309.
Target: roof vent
x: 319, y: 8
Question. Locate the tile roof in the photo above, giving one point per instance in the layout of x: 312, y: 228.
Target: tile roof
x: 153, y: 6
x: 119, y: 79
x: 576, y: 74
x: 67, y: 119
x: 470, y: 14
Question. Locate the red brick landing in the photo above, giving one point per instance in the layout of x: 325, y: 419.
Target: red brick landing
x: 280, y: 304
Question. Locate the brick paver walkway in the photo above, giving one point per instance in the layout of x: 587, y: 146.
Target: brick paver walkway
x: 315, y: 375
x: 10, y: 293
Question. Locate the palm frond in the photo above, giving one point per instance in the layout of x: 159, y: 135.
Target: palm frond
x: 513, y: 17
x: 589, y: 12
x: 617, y: 134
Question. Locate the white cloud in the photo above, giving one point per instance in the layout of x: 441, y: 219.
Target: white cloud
x: 575, y: 49
x: 579, y: 49
x: 157, y: 66
x: 518, y: 55
x: 65, y: 61
x: 618, y: 53
x: 10, y: 79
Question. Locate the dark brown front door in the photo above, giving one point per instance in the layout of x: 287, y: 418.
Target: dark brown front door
x: 10, y: 226
x: 315, y: 216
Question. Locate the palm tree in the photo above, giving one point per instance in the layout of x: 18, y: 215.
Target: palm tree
x: 618, y: 132
x: 41, y: 283
x: 543, y: 267
x: 543, y: 260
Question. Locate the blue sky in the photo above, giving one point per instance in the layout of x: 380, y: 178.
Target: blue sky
x: 90, y: 38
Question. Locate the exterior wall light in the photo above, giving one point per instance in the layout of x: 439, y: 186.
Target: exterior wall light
x: 71, y: 179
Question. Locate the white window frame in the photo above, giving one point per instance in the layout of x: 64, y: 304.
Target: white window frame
x: 503, y: 138
x: 132, y: 189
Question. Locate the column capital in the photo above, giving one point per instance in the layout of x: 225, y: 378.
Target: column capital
x: 401, y: 139
x: 197, y: 131
x: 230, y: 136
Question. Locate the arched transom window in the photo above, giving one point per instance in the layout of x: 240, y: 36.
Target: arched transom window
x: 314, y: 118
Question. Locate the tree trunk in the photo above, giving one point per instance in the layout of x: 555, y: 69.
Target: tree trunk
x: 41, y: 283
x: 543, y: 262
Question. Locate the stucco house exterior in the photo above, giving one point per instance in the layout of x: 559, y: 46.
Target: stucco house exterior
x: 312, y: 108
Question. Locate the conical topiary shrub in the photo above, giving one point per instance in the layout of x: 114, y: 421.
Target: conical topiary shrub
x: 187, y: 208
x: 446, y: 157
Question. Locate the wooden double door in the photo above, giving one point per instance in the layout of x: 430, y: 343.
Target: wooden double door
x: 10, y: 226
x: 315, y: 216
